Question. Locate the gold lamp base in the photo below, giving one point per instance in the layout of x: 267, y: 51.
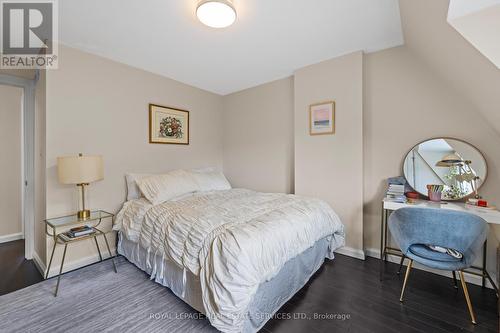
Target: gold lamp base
x: 83, y: 214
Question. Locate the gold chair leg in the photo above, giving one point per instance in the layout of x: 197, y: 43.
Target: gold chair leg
x: 467, y: 298
x: 408, y: 269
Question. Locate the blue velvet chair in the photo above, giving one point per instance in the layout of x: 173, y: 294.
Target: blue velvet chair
x: 414, y: 228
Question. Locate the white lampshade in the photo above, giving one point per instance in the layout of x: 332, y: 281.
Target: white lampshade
x: 450, y: 160
x: 80, y: 169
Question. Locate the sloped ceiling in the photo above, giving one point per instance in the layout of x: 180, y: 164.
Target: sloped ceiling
x: 428, y: 34
x: 479, y: 24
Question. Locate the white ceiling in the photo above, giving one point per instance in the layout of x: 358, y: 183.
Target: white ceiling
x: 270, y: 39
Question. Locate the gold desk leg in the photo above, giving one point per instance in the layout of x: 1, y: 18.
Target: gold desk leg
x: 408, y: 269
x: 485, y: 251
x: 455, y: 279
x: 382, y: 233
x: 467, y: 298
x: 61, y: 269
x: 50, y: 261
x: 109, y: 251
x: 382, y: 244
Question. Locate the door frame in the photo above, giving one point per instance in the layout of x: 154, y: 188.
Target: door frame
x: 27, y: 157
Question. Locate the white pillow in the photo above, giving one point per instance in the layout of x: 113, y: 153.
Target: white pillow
x: 210, y: 180
x: 133, y: 191
x: 160, y: 188
x: 203, y: 170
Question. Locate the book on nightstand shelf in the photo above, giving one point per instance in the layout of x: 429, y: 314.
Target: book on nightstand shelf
x: 81, y: 231
x: 77, y: 232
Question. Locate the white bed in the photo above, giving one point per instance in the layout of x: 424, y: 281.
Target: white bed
x: 235, y: 255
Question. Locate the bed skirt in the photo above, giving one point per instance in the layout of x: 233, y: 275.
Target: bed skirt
x: 269, y: 298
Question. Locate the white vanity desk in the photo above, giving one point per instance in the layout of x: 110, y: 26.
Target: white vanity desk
x: 492, y: 216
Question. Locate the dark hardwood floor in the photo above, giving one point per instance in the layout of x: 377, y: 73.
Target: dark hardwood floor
x: 15, y: 271
x: 352, y: 290
x: 347, y: 288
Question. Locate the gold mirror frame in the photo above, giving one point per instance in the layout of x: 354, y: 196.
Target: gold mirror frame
x: 447, y: 138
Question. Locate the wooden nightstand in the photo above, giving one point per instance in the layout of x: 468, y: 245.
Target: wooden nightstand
x: 65, y: 222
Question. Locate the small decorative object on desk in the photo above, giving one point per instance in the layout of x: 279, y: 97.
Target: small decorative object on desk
x: 412, y: 195
x: 480, y: 203
x: 435, y: 192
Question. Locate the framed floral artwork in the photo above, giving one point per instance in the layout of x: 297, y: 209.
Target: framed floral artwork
x: 168, y: 125
x: 322, y: 118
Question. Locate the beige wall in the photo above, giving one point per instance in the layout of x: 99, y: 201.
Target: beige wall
x: 97, y: 106
x: 10, y: 162
x: 330, y: 167
x: 258, y: 137
x: 405, y: 102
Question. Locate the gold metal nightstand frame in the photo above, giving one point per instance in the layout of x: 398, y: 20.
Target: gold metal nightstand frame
x: 76, y: 221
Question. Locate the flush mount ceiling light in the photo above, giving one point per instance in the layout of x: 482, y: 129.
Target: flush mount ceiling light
x: 216, y: 13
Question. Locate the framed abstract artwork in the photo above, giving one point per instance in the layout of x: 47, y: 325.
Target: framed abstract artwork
x: 168, y: 125
x: 322, y: 118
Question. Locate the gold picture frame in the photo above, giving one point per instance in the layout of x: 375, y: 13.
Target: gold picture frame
x: 168, y: 125
x: 322, y: 118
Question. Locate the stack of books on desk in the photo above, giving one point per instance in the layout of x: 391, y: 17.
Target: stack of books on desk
x: 77, y: 232
x: 396, y: 193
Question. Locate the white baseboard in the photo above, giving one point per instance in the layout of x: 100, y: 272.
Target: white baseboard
x: 348, y: 251
x: 11, y: 237
x: 40, y: 265
x: 75, y: 264
x: 351, y: 252
x: 68, y: 266
x: 474, y: 279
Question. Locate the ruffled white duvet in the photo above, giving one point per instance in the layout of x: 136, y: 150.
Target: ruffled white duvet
x: 233, y: 240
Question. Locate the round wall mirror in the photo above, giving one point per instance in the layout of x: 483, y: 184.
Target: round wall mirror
x: 456, y: 165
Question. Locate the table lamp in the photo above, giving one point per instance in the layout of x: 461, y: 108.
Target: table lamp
x: 80, y: 171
